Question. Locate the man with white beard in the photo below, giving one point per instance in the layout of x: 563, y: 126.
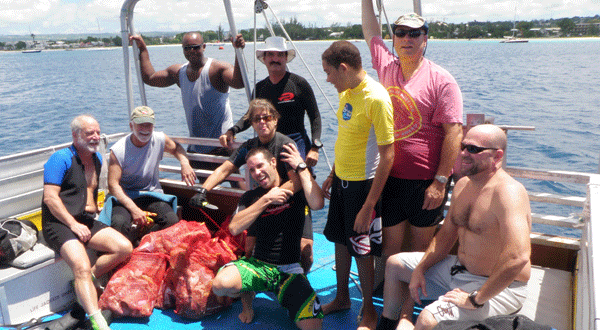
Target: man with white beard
x: 133, y: 177
x: 69, y: 211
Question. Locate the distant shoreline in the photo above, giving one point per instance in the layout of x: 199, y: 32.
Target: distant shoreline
x: 323, y: 41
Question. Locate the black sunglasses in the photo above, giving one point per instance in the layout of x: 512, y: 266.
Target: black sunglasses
x: 258, y: 119
x: 473, y: 149
x: 194, y: 47
x: 415, y: 33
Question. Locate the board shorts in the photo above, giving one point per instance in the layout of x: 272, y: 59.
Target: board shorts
x: 402, y: 199
x: 288, y: 282
x: 448, y: 275
x: 347, y: 198
x: 57, y: 233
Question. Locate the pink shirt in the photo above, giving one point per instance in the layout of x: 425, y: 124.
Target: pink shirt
x: 430, y: 98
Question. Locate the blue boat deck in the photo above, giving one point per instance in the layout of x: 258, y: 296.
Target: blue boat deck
x: 268, y: 314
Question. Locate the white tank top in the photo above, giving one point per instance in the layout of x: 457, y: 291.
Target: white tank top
x: 207, y: 110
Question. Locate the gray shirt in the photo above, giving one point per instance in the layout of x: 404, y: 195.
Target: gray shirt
x: 140, y: 165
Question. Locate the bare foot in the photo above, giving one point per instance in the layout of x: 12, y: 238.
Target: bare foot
x: 246, y: 315
x: 369, y: 319
x: 336, y: 305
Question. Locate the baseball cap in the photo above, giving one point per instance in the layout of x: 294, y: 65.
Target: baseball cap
x: 142, y: 114
x: 411, y: 20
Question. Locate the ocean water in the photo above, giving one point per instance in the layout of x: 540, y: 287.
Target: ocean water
x: 549, y: 84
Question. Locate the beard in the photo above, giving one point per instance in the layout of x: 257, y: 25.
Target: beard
x: 143, y: 138
x: 90, y: 146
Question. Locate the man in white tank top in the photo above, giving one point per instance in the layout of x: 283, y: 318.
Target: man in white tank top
x: 204, y: 84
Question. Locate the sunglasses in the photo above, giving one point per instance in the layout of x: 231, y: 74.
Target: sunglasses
x: 190, y: 47
x: 411, y: 33
x: 473, y: 149
x: 258, y: 119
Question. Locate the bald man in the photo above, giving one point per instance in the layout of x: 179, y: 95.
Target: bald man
x: 490, y: 217
x: 204, y: 84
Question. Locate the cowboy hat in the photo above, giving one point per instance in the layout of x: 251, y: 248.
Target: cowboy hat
x: 275, y: 44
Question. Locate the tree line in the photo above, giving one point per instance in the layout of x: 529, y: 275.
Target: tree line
x: 439, y: 30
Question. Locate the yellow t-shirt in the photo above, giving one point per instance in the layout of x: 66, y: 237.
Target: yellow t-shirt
x: 365, y: 120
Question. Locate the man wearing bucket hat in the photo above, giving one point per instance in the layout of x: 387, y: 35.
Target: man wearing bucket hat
x: 134, y: 181
x: 291, y: 95
x: 204, y: 84
x: 427, y: 130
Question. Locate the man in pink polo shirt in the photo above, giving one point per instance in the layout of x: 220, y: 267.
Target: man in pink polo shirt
x: 427, y: 130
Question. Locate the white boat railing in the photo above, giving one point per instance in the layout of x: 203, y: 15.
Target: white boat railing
x: 587, y: 307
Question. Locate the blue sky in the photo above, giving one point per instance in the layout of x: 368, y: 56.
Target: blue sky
x: 92, y: 16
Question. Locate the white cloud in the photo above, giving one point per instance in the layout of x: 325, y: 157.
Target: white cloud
x: 90, y: 16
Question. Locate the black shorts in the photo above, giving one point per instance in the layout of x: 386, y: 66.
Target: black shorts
x: 402, y: 199
x: 57, y: 233
x: 347, y: 198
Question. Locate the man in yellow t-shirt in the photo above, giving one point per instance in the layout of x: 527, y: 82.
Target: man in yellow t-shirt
x: 364, y: 154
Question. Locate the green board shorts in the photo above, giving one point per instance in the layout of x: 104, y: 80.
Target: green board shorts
x: 288, y: 282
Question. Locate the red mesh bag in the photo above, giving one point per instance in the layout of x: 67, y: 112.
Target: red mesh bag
x: 180, y: 235
x: 186, y: 284
x: 133, y: 289
x: 193, y: 280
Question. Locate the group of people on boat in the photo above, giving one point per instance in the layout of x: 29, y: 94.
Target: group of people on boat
x: 395, y: 157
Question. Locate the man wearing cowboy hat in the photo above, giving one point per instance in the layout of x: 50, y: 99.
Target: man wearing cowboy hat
x: 428, y: 129
x: 292, y: 96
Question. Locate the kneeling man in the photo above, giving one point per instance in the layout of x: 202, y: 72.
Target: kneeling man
x: 275, y: 216
x: 490, y: 217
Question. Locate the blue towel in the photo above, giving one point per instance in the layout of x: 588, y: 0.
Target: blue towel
x: 106, y: 213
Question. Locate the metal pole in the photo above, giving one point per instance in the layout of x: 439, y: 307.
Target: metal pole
x: 238, y: 52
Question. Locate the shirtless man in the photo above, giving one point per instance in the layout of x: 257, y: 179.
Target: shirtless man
x: 490, y: 217
x: 69, y: 211
x: 204, y: 84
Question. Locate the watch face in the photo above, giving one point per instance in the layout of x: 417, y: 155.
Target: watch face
x: 317, y: 144
x: 301, y: 166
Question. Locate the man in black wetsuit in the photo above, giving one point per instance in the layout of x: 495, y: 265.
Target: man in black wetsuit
x: 275, y: 216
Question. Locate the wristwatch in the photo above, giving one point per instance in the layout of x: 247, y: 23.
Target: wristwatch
x: 472, y: 296
x: 442, y: 179
x: 300, y: 167
x: 317, y: 144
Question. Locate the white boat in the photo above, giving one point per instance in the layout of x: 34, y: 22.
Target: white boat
x: 513, y: 39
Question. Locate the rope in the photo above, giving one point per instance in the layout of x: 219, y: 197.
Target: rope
x: 220, y: 229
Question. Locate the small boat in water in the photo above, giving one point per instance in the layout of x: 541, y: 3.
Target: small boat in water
x: 513, y: 40
x: 28, y: 51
